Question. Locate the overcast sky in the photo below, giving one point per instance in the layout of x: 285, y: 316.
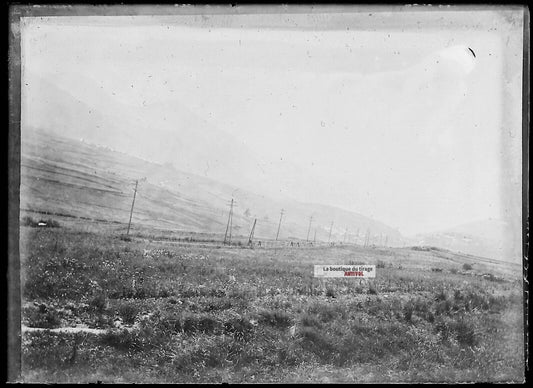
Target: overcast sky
x: 407, y: 125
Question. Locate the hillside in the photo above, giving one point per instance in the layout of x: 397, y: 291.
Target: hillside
x: 76, y: 178
x: 489, y: 238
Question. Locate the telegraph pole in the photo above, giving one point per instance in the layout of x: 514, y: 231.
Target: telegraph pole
x: 279, y: 225
x: 252, y: 233
x: 309, y: 229
x: 229, y: 225
x: 314, y: 240
x: 367, y: 237
x: 132, y: 204
x: 330, y: 228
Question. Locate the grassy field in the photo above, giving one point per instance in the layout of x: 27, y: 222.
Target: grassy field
x: 169, y: 312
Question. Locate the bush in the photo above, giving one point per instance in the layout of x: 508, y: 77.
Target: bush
x: 122, y: 340
x: 98, y: 302
x: 330, y: 292
x: 467, y: 267
x: 44, y: 317
x: 381, y: 264
x: 128, y: 313
x: 372, y: 289
x: 465, y: 333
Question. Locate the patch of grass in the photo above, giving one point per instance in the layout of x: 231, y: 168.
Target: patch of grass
x: 310, y: 321
x: 28, y: 221
x: 199, y: 329
x: 317, y: 343
x: 275, y: 318
x: 326, y: 312
x: 43, y: 317
x: 408, y: 310
x: 200, y: 323
x: 240, y: 329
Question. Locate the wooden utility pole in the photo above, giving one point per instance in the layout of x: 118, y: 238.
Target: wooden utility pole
x: 309, y: 229
x: 314, y: 240
x: 367, y: 237
x: 132, y: 204
x: 279, y: 225
x: 345, y: 233
x: 330, y: 229
x: 229, y: 225
x: 250, y: 239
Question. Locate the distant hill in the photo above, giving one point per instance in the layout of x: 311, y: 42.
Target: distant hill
x: 76, y: 178
x: 488, y: 238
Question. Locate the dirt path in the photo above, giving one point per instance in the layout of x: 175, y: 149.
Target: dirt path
x: 68, y: 330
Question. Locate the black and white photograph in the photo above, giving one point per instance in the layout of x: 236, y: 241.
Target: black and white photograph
x: 268, y: 194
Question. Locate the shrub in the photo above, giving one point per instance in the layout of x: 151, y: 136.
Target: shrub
x: 330, y: 292
x: 121, y: 339
x: 98, y: 302
x: 467, y: 267
x: 381, y: 264
x: 465, y: 333
x: 372, y: 289
x: 443, y: 307
x: 442, y: 328
x: 128, y: 313
x: 453, y: 271
x: 44, y: 317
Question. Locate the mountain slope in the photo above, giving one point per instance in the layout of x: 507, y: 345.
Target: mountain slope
x: 80, y: 179
x: 162, y: 132
x: 488, y: 238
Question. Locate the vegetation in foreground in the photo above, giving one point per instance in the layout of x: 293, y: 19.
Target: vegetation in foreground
x: 197, y: 314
